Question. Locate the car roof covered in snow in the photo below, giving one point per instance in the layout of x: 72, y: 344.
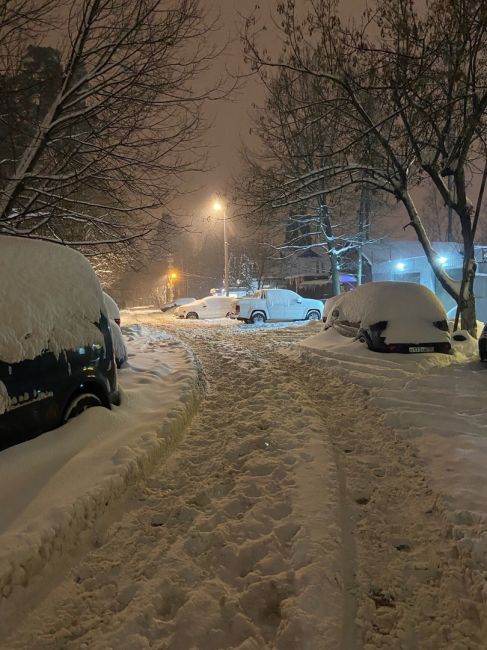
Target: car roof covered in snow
x: 111, y: 307
x: 50, y: 299
x: 384, y: 301
x: 215, y: 298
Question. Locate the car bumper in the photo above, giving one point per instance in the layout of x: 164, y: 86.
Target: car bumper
x: 413, y: 348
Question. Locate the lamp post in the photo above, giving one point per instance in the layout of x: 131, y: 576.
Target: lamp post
x: 218, y: 206
x: 172, y: 277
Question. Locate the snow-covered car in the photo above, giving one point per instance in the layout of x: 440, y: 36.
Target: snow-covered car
x: 392, y: 317
x: 111, y: 306
x: 330, y: 302
x: 209, y: 307
x: 119, y: 347
x: 56, y: 350
x: 277, y: 305
x: 176, y: 303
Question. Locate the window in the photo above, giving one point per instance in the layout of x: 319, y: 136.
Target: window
x: 407, y: 277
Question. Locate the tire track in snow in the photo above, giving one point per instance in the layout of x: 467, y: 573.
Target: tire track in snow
x: 229, y: 546
x: 290, y: 517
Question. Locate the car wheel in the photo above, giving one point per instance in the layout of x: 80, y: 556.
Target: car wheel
x: 80, y: 403
x: 192, y: 314
x: 313, y: 315
x: 258, y: 318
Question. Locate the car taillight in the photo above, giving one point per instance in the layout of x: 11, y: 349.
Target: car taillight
x: 117, y: 320
x: 441, y: 325
x: 237, y: 308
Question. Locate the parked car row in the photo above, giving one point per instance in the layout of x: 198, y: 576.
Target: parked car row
x: 262, y: 306
x: 60, y: 340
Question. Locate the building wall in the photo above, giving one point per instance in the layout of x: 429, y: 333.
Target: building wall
x: 418, y: 270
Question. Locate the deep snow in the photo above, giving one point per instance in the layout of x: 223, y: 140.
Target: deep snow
x: 55, y: 486
x: 437, y: 401
x: 290, y: 517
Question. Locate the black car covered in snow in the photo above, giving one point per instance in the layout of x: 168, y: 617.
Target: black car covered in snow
x: 56, y: 350
x: 392, y: 317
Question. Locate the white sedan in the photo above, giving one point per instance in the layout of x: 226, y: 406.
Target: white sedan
x: 209, y: 307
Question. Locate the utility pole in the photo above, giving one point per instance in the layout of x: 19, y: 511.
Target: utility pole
x: 171, y: 276
x: 225, y: 244
x: 219, y: 205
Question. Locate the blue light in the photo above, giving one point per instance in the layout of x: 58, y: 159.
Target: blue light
x: 442, y: 260
x: 400, y: 266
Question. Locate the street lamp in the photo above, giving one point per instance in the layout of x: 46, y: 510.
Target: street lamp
x: 218, y: 206
x: 172, y: 277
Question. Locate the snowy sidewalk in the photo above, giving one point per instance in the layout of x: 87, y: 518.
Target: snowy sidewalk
x: 54, y: 487
x: 439, y: 402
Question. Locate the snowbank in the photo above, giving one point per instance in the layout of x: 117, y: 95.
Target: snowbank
x: 50, y: 300
x: 439, y: 401
x: 55, y: 486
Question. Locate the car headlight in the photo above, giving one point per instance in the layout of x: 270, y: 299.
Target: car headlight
x: 441, y: 325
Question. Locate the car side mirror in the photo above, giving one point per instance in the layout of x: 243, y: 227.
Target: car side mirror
x: 299, y: 300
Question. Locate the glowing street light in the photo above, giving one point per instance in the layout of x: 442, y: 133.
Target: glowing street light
x: 400, y: 266
x: 171, y: 276
x: 219, y: 207
x: 442, y: 260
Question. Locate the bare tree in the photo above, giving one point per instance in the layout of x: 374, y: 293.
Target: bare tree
x: 297, y: 136
x: 21, y: 20
x: 426, y: 78
x: 122, y: 127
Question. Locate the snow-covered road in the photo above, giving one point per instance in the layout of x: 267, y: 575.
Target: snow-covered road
x: 290, y: 517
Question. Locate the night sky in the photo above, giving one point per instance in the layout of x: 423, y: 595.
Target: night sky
x: 230, y: 118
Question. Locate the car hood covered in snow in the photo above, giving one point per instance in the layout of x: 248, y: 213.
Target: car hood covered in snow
x: 409, y: 309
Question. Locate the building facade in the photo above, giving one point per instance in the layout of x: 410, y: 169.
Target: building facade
x: 405, y: 261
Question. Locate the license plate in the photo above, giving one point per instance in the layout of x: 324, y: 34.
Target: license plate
x: 417, y: 348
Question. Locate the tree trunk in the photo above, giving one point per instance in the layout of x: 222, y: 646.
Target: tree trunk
x: 360, y: 260
x: 332, y: 252
x: 363, y: 227
x: 335, y: 273
x: 469, y: 321
x: 467, y: 305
